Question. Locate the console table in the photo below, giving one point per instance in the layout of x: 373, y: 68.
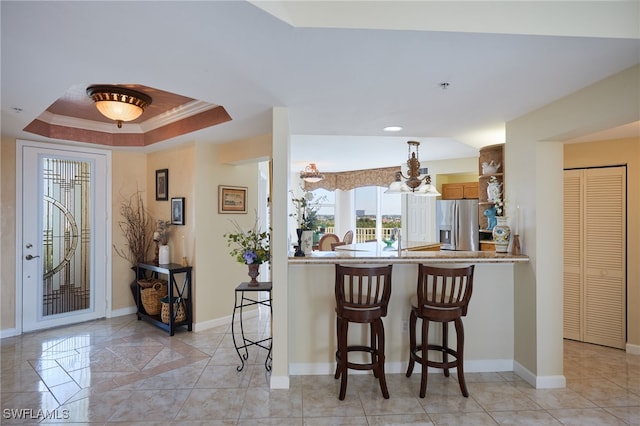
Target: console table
x: 243, y: 303
x: 176, y: 293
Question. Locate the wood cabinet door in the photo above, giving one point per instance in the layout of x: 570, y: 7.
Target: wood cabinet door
x: 470, y: 190
x: 452, y: 191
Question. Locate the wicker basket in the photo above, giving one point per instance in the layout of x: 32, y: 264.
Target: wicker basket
x: 150, y: 297
x: 178, y: 310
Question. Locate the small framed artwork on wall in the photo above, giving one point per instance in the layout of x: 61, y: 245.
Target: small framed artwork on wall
x: 162, y: 185
x: 177, y: 210
x: 232, y: 199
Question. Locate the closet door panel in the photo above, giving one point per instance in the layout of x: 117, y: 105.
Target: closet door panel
x: 573, y: 254
x: 604, y: 257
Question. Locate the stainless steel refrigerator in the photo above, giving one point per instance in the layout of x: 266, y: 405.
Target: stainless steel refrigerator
x: 457, y: 224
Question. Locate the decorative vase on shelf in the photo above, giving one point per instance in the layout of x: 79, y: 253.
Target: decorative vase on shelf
x: 164, y: 255
x: 254, y: 271
x: 494, y: 189
x: 307, y: 242
x: 299, y: 252
x: 501, y: 234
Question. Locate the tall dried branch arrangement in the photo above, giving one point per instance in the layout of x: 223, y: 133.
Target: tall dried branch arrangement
x: 137, y: 227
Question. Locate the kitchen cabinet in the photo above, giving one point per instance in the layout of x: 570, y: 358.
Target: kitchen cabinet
x: 458, y: 191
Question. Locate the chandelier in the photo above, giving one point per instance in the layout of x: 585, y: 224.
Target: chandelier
x: 414, y: 183
x: 311, y: 174
x: 118, y: 103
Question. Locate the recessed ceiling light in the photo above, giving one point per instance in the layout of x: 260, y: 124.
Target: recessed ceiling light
x: 392, y: 129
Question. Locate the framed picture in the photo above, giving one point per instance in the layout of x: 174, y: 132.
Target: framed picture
x: 232, y: 199
x: 177, y: 210
x: 162, y: 185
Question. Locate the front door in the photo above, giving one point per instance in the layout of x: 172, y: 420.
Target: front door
x: 63, y: 235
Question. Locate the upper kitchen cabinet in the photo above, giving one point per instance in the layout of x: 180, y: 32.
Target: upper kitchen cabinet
x: 491, y: 163
x: 458, y: 191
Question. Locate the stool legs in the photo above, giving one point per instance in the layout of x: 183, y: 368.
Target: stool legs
x: 460, y: 357
x: 423, y: 348
x: 376, y: 349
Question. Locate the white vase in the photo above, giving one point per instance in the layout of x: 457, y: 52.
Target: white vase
x: 494, y: 189
x: 307, y: 242
x: 501, y: 234
x: 164, y: 256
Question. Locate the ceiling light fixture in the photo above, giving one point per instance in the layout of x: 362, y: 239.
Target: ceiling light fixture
x: 311, y: 174
x: 118, y: 103
x: 414, y: 183
x: 392, y: 129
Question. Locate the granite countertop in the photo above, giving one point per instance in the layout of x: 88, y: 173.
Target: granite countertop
x: 375, y: 252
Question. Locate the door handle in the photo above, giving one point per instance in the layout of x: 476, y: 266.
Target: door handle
x: 29, y: 257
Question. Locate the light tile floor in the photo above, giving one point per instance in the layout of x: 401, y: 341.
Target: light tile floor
x: 124, y: 371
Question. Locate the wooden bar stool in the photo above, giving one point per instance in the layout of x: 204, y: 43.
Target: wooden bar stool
x: 443, y: 296
x: 362, y: 296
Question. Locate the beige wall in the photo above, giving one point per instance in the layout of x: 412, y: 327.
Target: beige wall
x: 610, y: 153
x: 217, y: 273
x: 195, y: 171
x: 534, y: 158
x: 129, y: 170
x: 7, y: 233
x: 180, y: 162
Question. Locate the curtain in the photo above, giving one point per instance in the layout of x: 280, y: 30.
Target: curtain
x: 355, y: 179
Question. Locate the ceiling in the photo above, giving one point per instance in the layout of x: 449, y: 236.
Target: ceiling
x: 344, y: 69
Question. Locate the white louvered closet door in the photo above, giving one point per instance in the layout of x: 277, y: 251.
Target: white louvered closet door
x: 595, y: 256
x: 572, y: 274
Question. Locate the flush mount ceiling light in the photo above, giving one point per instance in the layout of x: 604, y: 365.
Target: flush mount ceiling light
x: 118, y: 103
x: 414, y: 183
x: 311, y: 174
x: 392, y: 129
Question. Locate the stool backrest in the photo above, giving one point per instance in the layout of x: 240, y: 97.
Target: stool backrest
x: 444, y: 289
x: 362, y: 291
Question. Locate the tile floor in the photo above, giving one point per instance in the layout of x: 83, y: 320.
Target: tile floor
x: 124, y: 371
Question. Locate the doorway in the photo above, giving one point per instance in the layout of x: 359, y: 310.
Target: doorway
x: 63, y: 235
x: 595, y: 283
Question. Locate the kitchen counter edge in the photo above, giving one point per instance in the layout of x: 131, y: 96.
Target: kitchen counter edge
x: 410, y: 258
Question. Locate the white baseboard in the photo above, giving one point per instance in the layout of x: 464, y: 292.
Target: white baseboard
x: 217, y: 322
x: 122, y: 312
x: 470, y: 366
x: 279, y: 382
x: 633, y: 349
x: 9, y: 332
x: 539, y: 382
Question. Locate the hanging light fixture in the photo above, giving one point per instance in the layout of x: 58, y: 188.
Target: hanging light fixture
x: 414, y: 183
x: 118, y: 103
x: 311, y: 174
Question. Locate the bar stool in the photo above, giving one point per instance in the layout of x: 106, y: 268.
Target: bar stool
x: 362, y: 296
x: 443, y: 296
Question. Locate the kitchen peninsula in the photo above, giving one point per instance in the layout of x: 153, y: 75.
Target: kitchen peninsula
x: 489, y: 324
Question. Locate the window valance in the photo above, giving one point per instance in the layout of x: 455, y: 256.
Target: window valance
x: 354, y: 179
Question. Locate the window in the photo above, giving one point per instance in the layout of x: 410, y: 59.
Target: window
x: 376, y: 213
x: 326, y: 213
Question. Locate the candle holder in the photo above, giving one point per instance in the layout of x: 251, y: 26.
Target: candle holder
x: 299, y: 252
x: 184, y: 261
x: 515, y: 245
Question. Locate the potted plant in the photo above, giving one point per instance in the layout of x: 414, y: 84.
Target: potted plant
x: 250, y: 247
x: 161, y: 238
x: 306, y: 214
